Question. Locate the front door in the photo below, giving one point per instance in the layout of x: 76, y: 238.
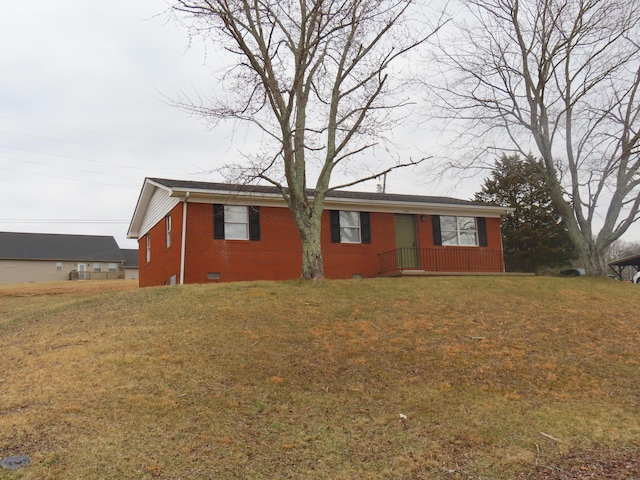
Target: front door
x: 407, y: 241
x: 82, y: 268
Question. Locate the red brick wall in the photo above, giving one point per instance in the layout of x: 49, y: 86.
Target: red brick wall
x: 277, y: 255
x: 343, y: 260
x: 425, y: 233
x: 165, y: 262
x: 461, y: 259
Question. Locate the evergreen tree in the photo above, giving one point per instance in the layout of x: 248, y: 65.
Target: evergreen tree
x: 534, y: 236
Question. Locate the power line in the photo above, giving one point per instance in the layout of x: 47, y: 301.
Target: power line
x: 63, y: 166
x: 83, y: 181
x: 93, y: 145
x: 109, y: 164
x: 104, y: 134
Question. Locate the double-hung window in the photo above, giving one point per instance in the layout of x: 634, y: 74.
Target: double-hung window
x: 234, y: 222
x: 167, y: 220
x: 459, y: 231
x: 350, y: 227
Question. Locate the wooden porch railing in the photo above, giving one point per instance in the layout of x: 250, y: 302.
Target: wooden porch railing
x: 87, y: 275
x: 448, y: 259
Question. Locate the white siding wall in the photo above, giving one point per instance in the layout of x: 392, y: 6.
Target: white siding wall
x: 160, y: 204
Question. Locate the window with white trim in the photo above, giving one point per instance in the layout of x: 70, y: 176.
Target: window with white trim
x: 349, y: 227
x: 58, y: 266
x: 148, y: 247
x: 97, y: 267
x: 462, y: 231
x: 113, y: 267
x: 236, y: 222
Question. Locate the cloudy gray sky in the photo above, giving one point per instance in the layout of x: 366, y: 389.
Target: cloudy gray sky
x: 84, y: 117
x: 83, y: 120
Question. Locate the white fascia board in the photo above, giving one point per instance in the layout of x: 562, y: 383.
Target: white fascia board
x: 148, y: 188
x: 231, y: 198
x: 333, y: 203
x: 416, y: 208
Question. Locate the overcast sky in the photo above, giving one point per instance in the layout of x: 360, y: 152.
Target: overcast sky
x: 84, y: 120
x: 84, y: 117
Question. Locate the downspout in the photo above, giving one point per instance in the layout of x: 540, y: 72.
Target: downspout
x: 183, y: 247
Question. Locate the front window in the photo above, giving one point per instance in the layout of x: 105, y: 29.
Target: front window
x: 461, y: 231
x: 349, y: 227
x: 113, y: 267
x: 97, y: 267
x: 58, y: 266
x: 236, y: 222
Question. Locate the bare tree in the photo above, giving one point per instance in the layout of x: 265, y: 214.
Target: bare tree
x: 314, y: 77
x: 560, y: 77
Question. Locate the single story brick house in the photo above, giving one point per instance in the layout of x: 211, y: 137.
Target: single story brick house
x: 47, y: 257
x: 199, y: 232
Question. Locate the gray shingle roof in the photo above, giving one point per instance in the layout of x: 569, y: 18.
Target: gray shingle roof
x: 46, y: 246
x: 391, y: 197
x: 130, y: 257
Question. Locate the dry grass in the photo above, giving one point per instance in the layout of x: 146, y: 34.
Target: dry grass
x: 497, y: 378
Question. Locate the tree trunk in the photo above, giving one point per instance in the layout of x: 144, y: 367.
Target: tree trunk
x: 312, y: 264
x: 594, y: 261
x: 308, y: 223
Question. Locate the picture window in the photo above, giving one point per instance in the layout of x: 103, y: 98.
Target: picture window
x: 461, y: 231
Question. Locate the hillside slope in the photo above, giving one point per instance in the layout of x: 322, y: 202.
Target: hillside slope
x: 425, y: 378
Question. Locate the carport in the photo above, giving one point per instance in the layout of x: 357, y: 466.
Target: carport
x: 619, y: 265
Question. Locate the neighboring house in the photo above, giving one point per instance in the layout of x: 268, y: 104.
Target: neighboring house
x: 40, y: 257
x: 130, y: 263
x: 198, y: 232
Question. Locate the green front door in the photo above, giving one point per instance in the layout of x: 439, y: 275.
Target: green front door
x: 407, y: 241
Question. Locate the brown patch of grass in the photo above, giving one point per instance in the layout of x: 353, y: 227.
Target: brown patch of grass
x: 39, y: 289
x: 389, y: 378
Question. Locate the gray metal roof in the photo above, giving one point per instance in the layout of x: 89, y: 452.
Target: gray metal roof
x: 390, y: 197
x: 633, y: 260
x: 46, y: 246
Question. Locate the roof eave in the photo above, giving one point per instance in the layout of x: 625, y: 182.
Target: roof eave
x: 383, y: 206
x: 144, y: 198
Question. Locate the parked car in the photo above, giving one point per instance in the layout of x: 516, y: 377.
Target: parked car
x: 636, y: 278
x: 572, y: 272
